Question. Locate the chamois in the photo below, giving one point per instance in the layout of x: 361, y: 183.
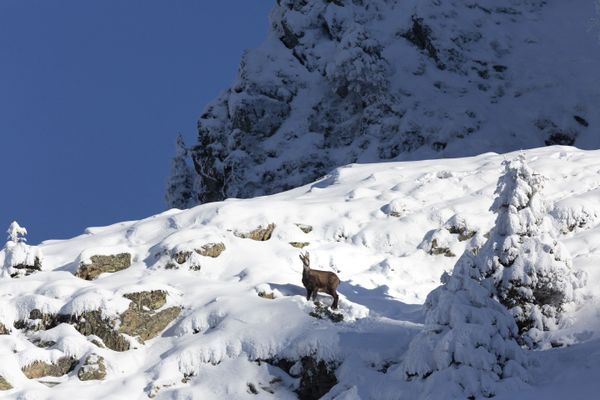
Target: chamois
x: 318, y: 281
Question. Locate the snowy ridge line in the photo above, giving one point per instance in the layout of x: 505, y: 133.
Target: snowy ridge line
x: 208, y: 302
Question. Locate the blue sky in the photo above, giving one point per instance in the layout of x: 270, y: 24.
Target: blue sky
x: 93, y: 94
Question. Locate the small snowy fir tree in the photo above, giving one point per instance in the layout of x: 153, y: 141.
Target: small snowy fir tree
x: 503, y: 297
x: 469, y: 344
x: 531, y: 269
x: 16, y: 233
x: 17, y: 258
x: 180, y: 186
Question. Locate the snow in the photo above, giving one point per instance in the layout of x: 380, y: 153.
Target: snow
x: 371, y: 223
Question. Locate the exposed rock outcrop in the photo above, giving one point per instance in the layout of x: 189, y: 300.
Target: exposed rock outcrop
x: 93, y: 368
x: 299, y: 245
x: 259, y: 234
x: 305, y: 228
x: 141, y: 319
x: 316, y: 377
x: 39, y: 369
x: 323, y: 312
x: 152, y: 300
x: 458, y: 226
x: 4, y: 384
x: 212, y: 250
x: 437, y: 249
x: 37, y: 321
x: 103, y: 263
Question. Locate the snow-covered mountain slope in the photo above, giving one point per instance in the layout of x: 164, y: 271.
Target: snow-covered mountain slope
x: 234, y: 322
x: 344, y: 81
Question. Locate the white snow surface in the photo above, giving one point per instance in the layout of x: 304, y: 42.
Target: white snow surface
x: 370, y: 223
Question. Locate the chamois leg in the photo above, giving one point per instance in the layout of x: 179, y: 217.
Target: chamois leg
x: 334, y: 294
x: 308, y: 293
x: 314, y: 294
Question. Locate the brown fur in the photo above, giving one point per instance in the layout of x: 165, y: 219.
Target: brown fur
x: 318, y: 281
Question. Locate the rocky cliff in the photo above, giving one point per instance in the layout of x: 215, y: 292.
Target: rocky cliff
x: 354, y: 81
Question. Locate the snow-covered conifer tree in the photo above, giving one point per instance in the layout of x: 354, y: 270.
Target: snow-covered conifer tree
x: 180, y: 185
x: 495, y: 301
x: 17, y: 258
x: 531, y: 269
x: 469, y: 342
x: 16, y: 233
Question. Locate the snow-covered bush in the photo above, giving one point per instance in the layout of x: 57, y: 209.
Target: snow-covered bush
x: 17, y: 258
x: 531, y: 270
x: 180, y: 185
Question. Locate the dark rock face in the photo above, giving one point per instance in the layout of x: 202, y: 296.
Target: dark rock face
x: 3, y: 329
x: 316, y: 380
x: 561, y: 138
x: 212, y: 250
x: 317, y: 377
x: 299, y: 245
x: 102, y: 264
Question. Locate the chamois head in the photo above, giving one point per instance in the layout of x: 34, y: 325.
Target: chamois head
x: 305, y: 261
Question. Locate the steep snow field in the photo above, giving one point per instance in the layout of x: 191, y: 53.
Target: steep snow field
x: 385, y: 229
